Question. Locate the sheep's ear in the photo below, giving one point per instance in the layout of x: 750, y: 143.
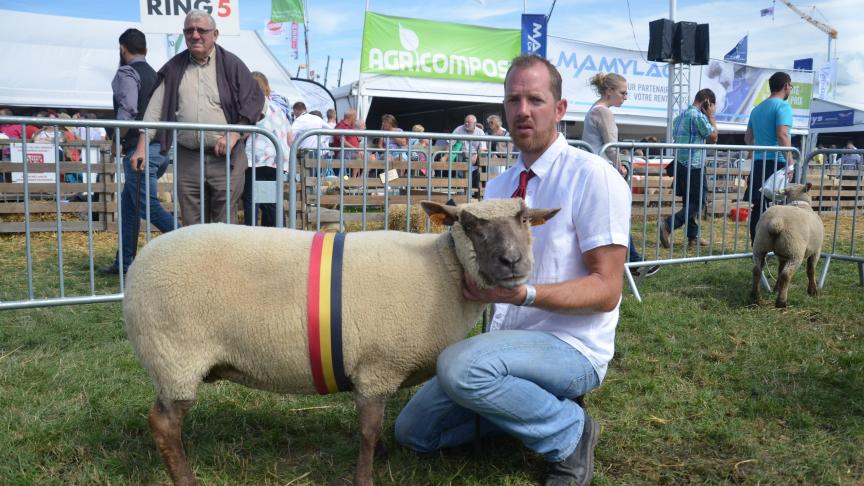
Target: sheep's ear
x: 807, y: 187
x: 540, y: 215
x: 440, y: 213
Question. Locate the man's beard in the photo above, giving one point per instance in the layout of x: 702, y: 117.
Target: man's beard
x: 122, y: 61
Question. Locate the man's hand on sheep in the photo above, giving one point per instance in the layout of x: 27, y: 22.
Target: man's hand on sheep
x: 500, y: 295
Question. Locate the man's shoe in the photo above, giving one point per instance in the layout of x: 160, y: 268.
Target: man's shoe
x: 112, y: 269
x: 664, y: 236
x: 653, y: 269
x: 698, y: 242
x: 578, y: 468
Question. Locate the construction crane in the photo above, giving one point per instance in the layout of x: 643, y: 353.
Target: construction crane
x: 831, y: 31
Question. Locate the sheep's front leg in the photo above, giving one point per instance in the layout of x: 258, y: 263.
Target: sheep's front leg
x: 371, y: 414
x: 811, y: 275
x: 166, y: 424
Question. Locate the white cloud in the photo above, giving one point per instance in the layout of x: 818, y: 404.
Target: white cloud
x: 773, y: 43
x: 851, y: 72
x: 481, y: 13
x: 329, y: 21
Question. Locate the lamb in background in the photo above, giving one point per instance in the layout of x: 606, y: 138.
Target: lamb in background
x: 210, y: 302
x: 793, y: 232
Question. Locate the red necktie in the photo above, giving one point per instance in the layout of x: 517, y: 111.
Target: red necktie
x: 524, y: 177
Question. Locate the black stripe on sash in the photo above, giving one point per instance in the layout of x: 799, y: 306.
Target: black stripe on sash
x: 342, y: 381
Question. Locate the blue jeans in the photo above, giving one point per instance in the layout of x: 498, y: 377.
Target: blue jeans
x: 516, y: 382
x: 634, y: 255
x: 692, y: 195
x: 135, y: 181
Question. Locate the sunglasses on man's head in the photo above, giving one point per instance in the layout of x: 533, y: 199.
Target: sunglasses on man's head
x: 201, y: 31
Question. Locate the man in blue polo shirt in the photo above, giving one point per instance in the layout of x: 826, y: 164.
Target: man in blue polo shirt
x: 769, y: 124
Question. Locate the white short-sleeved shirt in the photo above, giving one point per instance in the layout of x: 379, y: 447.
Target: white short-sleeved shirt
x: 306, y: 122
x: 476, y: 145
x: 595, y: 211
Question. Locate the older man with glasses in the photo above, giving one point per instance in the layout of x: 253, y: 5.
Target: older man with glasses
x: 474, y: 147
x: 205, y: 84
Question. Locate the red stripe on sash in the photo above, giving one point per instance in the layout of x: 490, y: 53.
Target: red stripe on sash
x: 313, y: 303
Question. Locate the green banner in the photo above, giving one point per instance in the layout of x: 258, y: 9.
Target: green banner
x: 286, y: 11
x: 421, y: 48
x: 799, y: 98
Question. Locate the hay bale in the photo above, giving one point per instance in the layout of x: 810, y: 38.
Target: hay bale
x: 396, y: 220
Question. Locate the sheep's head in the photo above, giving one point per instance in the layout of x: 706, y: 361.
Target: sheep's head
x: 492, y: 238
x: 798, y: 192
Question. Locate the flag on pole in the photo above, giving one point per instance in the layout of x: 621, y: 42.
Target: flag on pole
x: 738, y: 53
x: 275, y: 32
x: 762, y: 13
x: 286, y: 11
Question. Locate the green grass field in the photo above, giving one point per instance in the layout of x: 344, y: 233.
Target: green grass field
x: 704, y: 388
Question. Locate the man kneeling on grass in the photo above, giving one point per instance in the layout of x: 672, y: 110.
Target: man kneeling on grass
x: 551, y: 341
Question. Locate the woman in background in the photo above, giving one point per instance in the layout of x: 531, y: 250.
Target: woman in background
x: 600, y: 129
x: 264, y: 152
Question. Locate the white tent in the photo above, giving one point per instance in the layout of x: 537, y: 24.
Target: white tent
x: 68, y: 62
x: 833, y: 118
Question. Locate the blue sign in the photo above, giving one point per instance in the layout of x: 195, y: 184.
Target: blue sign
x: 739, y: 53
x: 534, y: 34
x: 827, y: 119
x: 803, y: 64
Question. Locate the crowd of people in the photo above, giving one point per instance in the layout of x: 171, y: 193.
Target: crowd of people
x: 66, y: 151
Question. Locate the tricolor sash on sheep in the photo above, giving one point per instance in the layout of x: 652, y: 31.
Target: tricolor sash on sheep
x: 325, y: 313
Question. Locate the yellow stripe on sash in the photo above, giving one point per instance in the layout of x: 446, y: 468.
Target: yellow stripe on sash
x: 324, y: 309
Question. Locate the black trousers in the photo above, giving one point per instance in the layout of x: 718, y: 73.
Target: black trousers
x: 762, y: 169
x: 268, y: 210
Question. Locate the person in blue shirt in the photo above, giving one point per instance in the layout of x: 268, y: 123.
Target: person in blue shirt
x: 770, y: 123
x: 696, y: 125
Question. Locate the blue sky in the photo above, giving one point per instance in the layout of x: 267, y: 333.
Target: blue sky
x: 336, y: 27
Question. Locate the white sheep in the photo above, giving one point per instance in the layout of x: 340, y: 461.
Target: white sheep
x: 793, y: 232
x: 210, y: 302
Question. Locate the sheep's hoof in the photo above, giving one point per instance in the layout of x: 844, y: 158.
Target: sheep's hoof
x: 754, y: 297
x: 381, y: 452
x: 812, y: 291
x: 358, y: 481
x: 780, y: 304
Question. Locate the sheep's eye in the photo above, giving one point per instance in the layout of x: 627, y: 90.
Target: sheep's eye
x: 525, y: 220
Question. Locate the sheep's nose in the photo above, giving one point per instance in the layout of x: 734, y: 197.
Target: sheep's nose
x: 510, y: 259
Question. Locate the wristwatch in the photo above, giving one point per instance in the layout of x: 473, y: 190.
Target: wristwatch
x: 530, y: 296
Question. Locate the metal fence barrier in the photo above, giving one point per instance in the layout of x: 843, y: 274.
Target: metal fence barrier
x: 837, y: 176
x: 347, y: 179
x: 659, y: 184
x: 25, y: 170
x: 349, y: 172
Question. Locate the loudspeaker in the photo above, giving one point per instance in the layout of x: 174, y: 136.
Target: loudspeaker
x: 684, y: 43
x: 661, y: 34
x: 702, y: 46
